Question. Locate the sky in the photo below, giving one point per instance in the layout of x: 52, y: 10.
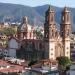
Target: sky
x: 33, y: 3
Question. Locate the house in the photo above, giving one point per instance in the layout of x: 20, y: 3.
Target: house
x: 13, y: 45
x: 6, y: 67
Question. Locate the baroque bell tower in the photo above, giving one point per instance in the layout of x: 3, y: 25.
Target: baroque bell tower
x: 65, y: 30
x: 49, y: 34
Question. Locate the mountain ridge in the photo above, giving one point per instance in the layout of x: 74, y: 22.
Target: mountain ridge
x: 36, y: 15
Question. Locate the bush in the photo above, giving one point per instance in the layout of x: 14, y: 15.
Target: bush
x: 64, y: 62
x: 32, y: 62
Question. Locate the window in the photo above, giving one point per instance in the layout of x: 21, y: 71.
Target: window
x: 67, y: 32
x: 67, y: 17
x: 67, y: 48
x: 51, y: 54
x: 33, y: 45
x: 62, y: 33
x: 52, y: 33
x: 46, y: 35
x: 51, y: 58
x: 40, y: 46
x: 52, y: 49
x: 67, y: 53
x: 51, y: 18
x: 30, y: 34
x: 63, y: 18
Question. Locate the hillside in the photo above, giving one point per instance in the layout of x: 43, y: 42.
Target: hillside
x: 14, y: 13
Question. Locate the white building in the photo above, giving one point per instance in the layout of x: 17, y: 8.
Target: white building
x: 13, y: 45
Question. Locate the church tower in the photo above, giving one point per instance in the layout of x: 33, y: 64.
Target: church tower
x: 25, y: 30
x: 22, y: 29
x: 49, y: 34
x: 65, y: 30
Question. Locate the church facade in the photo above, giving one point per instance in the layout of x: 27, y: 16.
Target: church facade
x: 57, y: 43
x: 54, y: 43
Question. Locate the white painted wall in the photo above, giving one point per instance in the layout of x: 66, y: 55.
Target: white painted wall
x: 13, y: 43
x: 12, y: 53
x: 52, y: 50
x: 12, y: 47
x: 67, y: 48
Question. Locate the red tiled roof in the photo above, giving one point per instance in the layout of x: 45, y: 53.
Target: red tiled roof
x: 3, y: 63
x: 12, y: 68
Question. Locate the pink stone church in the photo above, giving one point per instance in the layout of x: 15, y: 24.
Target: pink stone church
x: 54, y: 43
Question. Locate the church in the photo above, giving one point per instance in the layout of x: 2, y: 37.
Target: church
x: 54, y: 43
x: 57, y: 43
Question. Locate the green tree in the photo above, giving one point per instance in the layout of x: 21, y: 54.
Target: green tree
x: 38, y: 34
x: 32, y: 62
x: 9, y: 31
x: 63, y: 63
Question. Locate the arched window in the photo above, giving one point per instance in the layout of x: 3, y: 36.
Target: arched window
x: 33, y: 45
x: 51, y: 18
x: 63, y: 18
x: 51, y: 54
x: 62, y: 33
x: 68, y: 32
x: 67, y: 17
x: 52, y: 33
x: 30, y: 34
x: 40, y: 46
x: 46, y: 35
x: 47, y: 19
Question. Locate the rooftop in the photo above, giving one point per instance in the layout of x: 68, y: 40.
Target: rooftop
x: 7, y: 67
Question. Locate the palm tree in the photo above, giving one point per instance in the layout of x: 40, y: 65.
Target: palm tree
x: 63, y: 64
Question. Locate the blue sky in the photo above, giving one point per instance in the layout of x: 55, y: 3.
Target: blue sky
x: 60, y: 3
